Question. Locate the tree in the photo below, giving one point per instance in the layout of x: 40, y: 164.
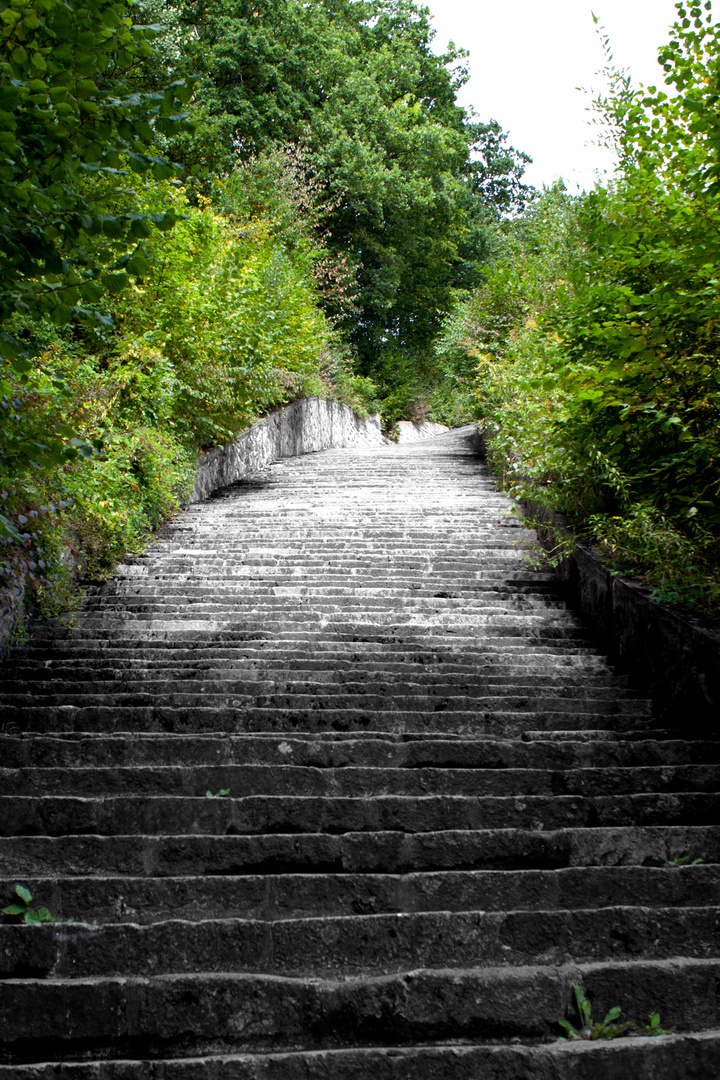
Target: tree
x: 68, y: 126
x: 67, y: 121
x: 375, y: 109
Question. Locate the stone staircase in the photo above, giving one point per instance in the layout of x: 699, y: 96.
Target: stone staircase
x: 443, y: 811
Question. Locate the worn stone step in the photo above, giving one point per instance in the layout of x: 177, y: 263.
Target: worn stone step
x: 539, y: 750
x: 193, y: 592
x: 492, y: 574
x: 292, y: 609
x: 681, y: 1057
x: 354, y: 946
x: 74, y: 675
x: 350, y: 780
x: 275, y: 896
x: 352, y: 679
x: 203, y: 1013
x: 497, y: 722
x: 346, y: 646
x: 445, y: 808
x: 277, y: 592
x: 351, y: 853
x: 57, y: 815
x: 391, y: 632
x: 402, y: 698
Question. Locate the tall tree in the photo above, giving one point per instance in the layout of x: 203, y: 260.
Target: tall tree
x: 64, y: 124
x: 405, y: 195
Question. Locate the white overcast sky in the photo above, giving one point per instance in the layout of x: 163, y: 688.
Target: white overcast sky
x: 528, y: 56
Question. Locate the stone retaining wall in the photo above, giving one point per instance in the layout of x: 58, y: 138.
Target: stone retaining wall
x: 301, y: 428
x: 671, y: 654
x: 408, y: 431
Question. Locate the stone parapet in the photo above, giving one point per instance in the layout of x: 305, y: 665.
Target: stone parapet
x: 301, y: 428
x: 408, y: 432
x: 671, y: 654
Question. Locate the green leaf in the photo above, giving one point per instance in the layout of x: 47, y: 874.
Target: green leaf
x: 115, y: 283
x: 138, y: 264
x: 23, y: 893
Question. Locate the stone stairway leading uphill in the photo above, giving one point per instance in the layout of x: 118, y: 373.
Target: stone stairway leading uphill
x: 443, y: 810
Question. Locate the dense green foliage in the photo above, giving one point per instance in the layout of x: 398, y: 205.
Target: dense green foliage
x: 61, y: 131
x: 596, y: 335
x: 406, y: 182
x: 224, y: 325
x: 207, y: 210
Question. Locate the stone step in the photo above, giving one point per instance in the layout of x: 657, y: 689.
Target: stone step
x: 355, y: 946
x: 486, y: 721
x: 287, y: 779
x: 413, y: 663
x: 690, y: 1057
x: 352, y: 853
x: 250, y: 697
x: 320, y: 624
x: 62, y: 815
x: 359, y: 603
x: 198, y: 589
x: 445, y: 809
x: 284, y: 597
x: 270, y: 896
x: 496, y: 574
x: 221, y: 644
x: 204, y: 1013
x: 62, y: 681
x: 341, y: 750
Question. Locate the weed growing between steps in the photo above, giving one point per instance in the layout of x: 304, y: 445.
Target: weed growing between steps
x: 22, y: 912
x: 608, y: 1028
x: 681, y: 860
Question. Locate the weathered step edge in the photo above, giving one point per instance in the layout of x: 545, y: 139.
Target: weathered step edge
x: 692, y: 1057
x: 190, y: 1015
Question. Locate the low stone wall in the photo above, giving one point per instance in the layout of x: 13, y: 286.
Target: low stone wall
x: 410, y: 432
x: 671, y: 654
x: 301, y: 428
